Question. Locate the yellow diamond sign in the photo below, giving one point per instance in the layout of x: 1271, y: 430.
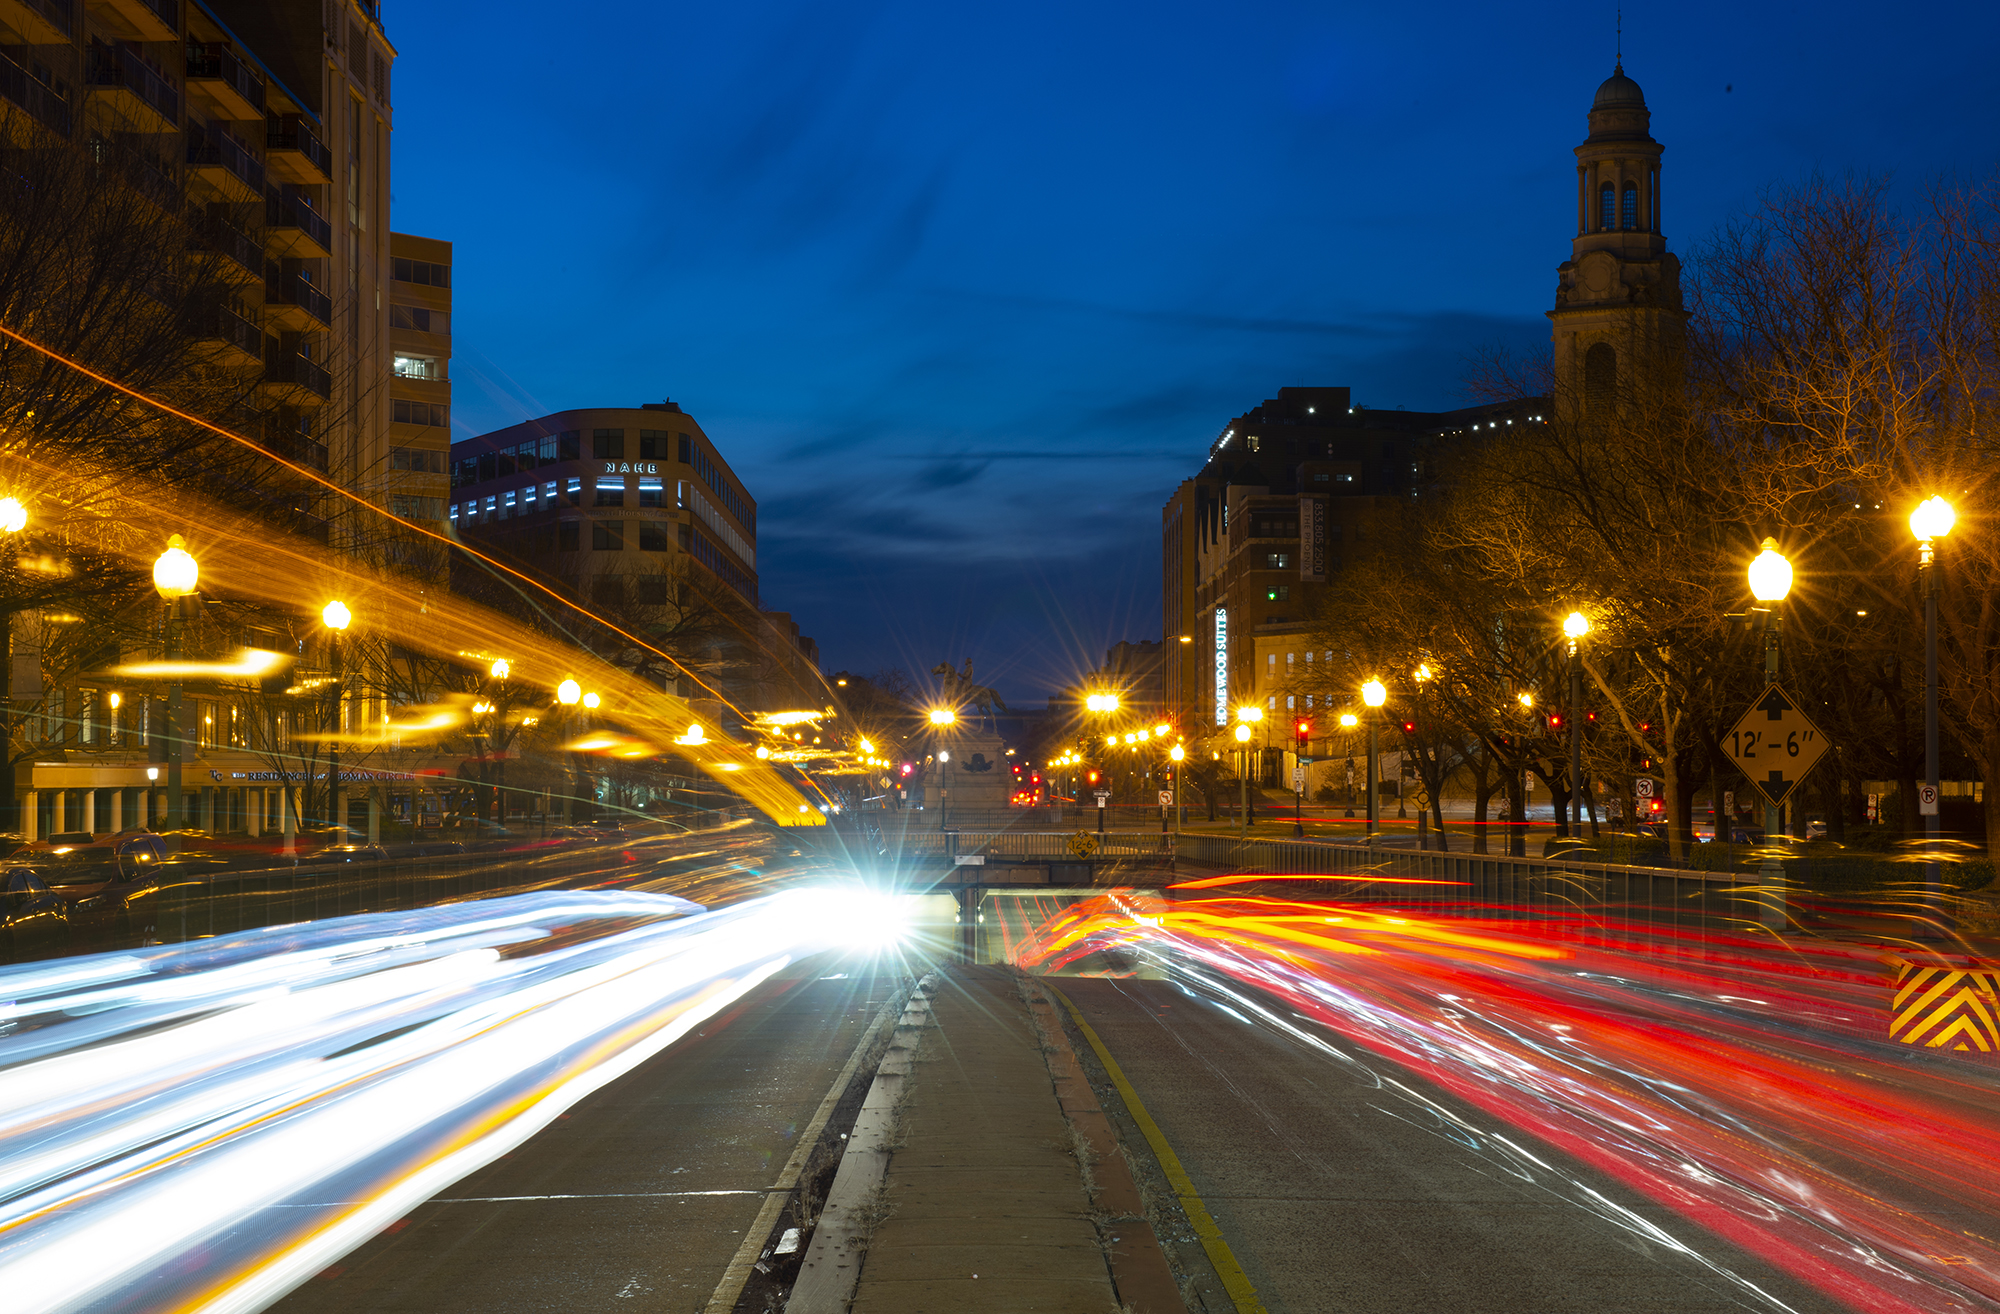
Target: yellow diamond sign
x: 1775, y: 744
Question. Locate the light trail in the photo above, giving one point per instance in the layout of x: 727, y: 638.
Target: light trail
x: 1750, y: 1087
x: 178, y: 1119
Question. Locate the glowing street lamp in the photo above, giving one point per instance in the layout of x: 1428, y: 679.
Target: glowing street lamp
x: 1575, y: 626
x: 592, y: 701
x: 1931, y: 521
x: 1771, y: 573
x: 943, y: 716
x: 1770, y: 580
x: 13, y: 516
x: 500, y: 669
x: 569, y: 693
x: 1374, y: 693
x: 336, y: 617
x: 175, y: 575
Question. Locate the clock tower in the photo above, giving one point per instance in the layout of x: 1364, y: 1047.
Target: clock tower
x: 1618, y: 317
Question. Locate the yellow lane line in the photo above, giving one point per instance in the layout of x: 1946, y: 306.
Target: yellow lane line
x: 1234, y: 1280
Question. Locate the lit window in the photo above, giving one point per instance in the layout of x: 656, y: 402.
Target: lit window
x: 549, y: 492
x: 416, y: 367
x: 454, y: 513
x: 492, y: 504
x: 1277, y: 561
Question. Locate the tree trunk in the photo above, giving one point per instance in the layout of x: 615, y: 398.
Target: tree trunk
x: 1517, y: 813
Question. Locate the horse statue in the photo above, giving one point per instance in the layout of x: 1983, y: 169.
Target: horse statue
x: 961, y: 691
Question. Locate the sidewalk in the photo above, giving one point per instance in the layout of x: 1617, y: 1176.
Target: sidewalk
x: 987, y: 1205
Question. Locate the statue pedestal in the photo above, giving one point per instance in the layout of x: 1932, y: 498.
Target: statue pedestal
x: 977, y: 774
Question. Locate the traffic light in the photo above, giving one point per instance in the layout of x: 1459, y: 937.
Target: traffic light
x: 1302, y: 729
x: 1091, y: 776
x: 1555, y: 722
x: 1409, y: 727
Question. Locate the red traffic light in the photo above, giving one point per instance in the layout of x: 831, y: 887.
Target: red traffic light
x: 1555, y: 721
x: 1302, y: 729
x: 1092, y: 777
x: 1409, y: 727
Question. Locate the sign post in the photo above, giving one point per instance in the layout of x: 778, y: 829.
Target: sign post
x: 1103, y: 801
x: 1775, y: 745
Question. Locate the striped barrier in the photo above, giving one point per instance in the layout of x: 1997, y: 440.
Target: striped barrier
x: 1943, y: 1007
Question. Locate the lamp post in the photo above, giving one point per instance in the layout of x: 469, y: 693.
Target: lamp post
x: 1374, y: 694
x: 1179, y: 755
x: 336, y: 617
x: 941, y: 717
x: 1348, y: 721
x: 1932, y: 520
x: 1575, y: 626
x: 175, y: 575
x: 13, y: 519
x: 1246, y: 716
x: 568, y: 694
x: 1770, y: 581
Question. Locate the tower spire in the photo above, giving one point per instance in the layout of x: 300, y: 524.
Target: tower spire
x: 1620, y: 65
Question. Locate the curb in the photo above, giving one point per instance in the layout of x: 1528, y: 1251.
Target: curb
x: 832, y: 1268
x: 1140, y: 1272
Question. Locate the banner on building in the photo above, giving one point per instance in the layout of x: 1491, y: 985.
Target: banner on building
x: 1312, y: 539
x: 1222, y: 666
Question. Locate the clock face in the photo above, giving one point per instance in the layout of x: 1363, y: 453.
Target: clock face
x: 1599, y: 275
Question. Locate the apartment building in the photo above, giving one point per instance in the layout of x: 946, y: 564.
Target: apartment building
x: 416, y: 478
x: 620, y: 508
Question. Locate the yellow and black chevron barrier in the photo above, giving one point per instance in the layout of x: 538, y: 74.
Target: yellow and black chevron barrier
x: 1946, y: 1007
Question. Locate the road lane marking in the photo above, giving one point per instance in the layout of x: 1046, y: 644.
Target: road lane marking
x: 505, y: 1199
x: 1234, y: 1280
x: 737, y: 1275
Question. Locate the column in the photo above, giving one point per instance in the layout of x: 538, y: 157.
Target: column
x: 117, y: 810
x: 31, y: 813
x: 89, y: 811
x: 253, y: 811
x: 374, y: 814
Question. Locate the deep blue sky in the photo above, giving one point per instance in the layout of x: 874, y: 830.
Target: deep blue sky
x: 964, y: 292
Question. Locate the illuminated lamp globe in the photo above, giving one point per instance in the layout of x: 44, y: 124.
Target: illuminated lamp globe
x: 335, y: 615
x: 1349, y: 720
x: 1770, y: 574
x: 943, y: 716
x: 1250, y: 712
x: 500, y: 668
x: 568, y: 692
x: 1177, y: 753
x: 175, y: 574
x: 1576, y: 625
x: 591, y: 700
x: 1242, y: 734
x: 1933, y: 518
x: 1374, y: 693
x: 13, y: 516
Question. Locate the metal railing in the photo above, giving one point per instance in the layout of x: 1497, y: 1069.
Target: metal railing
x: 285, y: 211
x: 224, y: 238
x: 216, y: 62
x: 212, y: 146
x: 225, y: 324
x: 293, y: 133
x: 49, y: 109
x: 60, y: 14
x: 121, y: 66
x: 298, y: 290
x: 295, y: 369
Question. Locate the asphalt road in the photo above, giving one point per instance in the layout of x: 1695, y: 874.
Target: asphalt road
x: 639, y: 1196
x: 1356, y: 1187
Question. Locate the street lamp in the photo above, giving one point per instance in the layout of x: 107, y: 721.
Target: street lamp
x: 1931, y: 521
x: 1348, y: 721
x: 940, y: 718
x: 1770, y: 581
x: 336, y: 617
x: 1179, y: 755
x: 1243, y: 777
x: 175, y: 575
x: 1575, y: 626
x: 569, y: 693
x: 1374, y: 693
x: 13, y: 516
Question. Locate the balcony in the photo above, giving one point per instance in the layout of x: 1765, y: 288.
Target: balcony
x: 233, y: 91
x: 298, y: 448
x: 150, y: 20
x: 238, y: 344
x: 224, y: 163
x: 292, y: 380
x: 294, y: 152
x: 291, y: 302
x: 47, y: 108
x: 245, y: 258
x: 134, y: 87
x: 293, y: 228
x: 41, y: 22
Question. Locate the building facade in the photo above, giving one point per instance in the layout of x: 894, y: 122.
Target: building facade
x: 415, y: 480
x: 1291, y: 494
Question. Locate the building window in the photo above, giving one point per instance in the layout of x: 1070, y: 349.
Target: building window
x: 454, y: 513
x: 421, y: 272
x: 416, y: 412
x: 416, y: 459
x: 652, y: 536
x: 611, y: 492
x: 1291, y: 702
x: 568, y: 535
x: 416, y: 367
x: 1630, y: 216
x: 650, y: 492
x: 1606, y: 199
x: 549, y: 492
x: 653, y: 445
x: 569, y: 445
x: 655, y: 590
x: 1277, y: 561
x: 1279, y: 593
x: 419, y: 319
x: 607, y: 535
x: 608, y: 444
x: 416, y: 508
x: 507, y: 505
x: 573, y: 492
x: 492, y: 504
x: 1322, y: 478
x: 607, y: 590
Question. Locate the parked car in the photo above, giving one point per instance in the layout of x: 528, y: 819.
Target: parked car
x: 34, y: 919
x: 351, y: 853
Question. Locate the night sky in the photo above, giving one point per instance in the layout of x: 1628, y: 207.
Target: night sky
x: 964, y: 292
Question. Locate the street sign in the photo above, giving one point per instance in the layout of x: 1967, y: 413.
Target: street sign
x: 1927, y: 800
x: 1643, y: 788
x: 1103, y: 797
x: 970, y: 859
x: 1298, y: 778
x: 1874, y: 807
x: 1775, y: 744
x: 1166, y: 798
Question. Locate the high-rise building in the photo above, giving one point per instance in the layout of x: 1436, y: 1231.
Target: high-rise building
x: 416, y: 476
x: 1291, y: 493
x: 634, y: 513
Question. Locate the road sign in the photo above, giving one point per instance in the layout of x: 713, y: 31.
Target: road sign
x: 1166, y: 798
x: 1103, y: 797
x: 1942, y: 1007
x: 1298, y: 778
x: 1775, y: 744
x: 1927, y: 800
x: 970, y: 859
x: 1643, y: 787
